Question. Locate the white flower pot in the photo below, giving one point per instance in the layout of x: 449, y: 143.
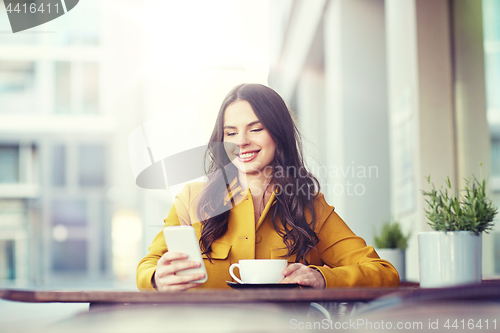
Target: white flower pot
x: 449, y: 259
x: 397, y: 258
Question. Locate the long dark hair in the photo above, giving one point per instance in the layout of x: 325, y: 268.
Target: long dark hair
x: 289, y: 173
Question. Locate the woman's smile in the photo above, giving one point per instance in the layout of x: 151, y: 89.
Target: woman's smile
x: 247, y: 156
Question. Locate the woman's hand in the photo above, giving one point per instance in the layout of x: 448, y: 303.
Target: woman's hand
x: 168, y: 265
x: 303, y: 275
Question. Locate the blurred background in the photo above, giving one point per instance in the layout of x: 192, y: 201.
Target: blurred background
x: 385, y: 93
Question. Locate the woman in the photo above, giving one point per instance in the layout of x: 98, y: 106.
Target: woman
x: 261, y: 203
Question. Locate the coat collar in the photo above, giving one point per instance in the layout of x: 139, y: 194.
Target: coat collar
x: 235, y: 191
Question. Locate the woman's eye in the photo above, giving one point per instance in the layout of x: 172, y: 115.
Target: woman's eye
x: 230, y: 134
x: 257, y: 129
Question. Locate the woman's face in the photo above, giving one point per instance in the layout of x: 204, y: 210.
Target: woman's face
x: 255, y: 148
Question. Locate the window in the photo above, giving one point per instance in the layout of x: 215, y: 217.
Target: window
x: 58, y: 165
x: 495, y: 158
x: 493, y: 80
x: 7, y: 260
x: 17, y: 93
x: 63, y: 87
x: 491, y: 24
x: 9, y: 164
x: 77, y: 87
x: 71, y: 212
x: 491, y: 28
x: 12, y: 214
x: 69, y: 256
x: 90, y: 88
x: 91, y: 163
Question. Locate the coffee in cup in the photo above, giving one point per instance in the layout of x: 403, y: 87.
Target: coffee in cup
x: 259, y: 271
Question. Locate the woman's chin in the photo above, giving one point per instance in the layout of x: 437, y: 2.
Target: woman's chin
x: 249, y: 171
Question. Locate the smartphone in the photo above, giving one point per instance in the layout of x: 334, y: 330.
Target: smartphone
x: 183, y: 239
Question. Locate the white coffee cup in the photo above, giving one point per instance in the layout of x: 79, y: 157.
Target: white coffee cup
x: 259, y: 270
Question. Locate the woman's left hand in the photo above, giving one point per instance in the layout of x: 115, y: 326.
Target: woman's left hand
x: 303, y: 275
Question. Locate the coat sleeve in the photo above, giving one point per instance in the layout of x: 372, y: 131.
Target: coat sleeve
x: 349, y: 261
x: 147, y: 266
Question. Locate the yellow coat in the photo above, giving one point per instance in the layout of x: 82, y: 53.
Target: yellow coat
x: 349, y: 261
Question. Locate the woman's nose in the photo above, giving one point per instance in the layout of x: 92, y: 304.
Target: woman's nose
x: 242, y: 140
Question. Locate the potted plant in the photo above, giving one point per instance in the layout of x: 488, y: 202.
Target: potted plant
x: 391, y: 244
x: 452, y: 253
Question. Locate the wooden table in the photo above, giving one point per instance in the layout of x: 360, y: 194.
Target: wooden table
x: 202, y: 296
x: 262, y: 310
x: 408, y: 291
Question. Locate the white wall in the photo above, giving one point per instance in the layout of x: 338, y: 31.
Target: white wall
x: 356, y: 109
x: 420, y: 99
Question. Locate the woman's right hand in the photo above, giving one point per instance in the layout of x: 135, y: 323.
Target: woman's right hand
x: 168, y: 265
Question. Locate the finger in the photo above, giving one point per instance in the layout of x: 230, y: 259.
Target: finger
x: 172, y: 280
x: 308, y: 279
x: 183, y: 279
x: 171, y: 269
x: 181, y: 287
x: 313, y: 279
x: 299, y: 275
x: 292, y: 268
x: 300, y: 271
x: 291, y: 278
x: 168, y: 257
x: 306, y: 282
x: 181, y: 266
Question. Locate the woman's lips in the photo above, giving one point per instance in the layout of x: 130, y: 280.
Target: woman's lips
x: 247, y: 157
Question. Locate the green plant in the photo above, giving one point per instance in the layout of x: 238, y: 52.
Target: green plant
x: 472, y: 211
x: 392, y: 237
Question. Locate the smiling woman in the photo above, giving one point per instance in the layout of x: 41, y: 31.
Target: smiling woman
x: 251, y: 208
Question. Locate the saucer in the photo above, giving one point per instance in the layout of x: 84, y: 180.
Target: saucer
x: 236, y: 285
